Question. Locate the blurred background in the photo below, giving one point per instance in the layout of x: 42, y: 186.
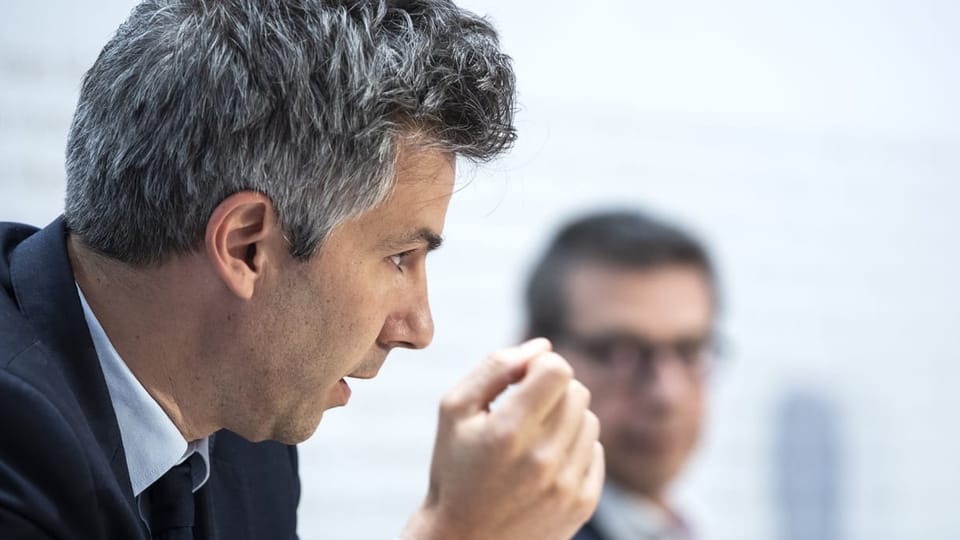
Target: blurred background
x: 815, y: 145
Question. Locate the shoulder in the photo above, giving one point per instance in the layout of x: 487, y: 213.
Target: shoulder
x: 16, y: 334
x: 25, y: 357
x: 40, y: 458
x: 11, y: 236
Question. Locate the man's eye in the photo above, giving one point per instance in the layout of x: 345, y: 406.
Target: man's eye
x: 398, y: 259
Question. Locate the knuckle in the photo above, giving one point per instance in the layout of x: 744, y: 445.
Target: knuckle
x: 544, y: 465
x: 567, y: 486
x: 449, y: 405
x: 572, y: 495
x: 579, y: 392
x: 556, y: 367
x: 584, y: 503
x: 498, y: 359
x: 503, y: 438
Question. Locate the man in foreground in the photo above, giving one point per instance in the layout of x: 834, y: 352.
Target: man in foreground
x: 252, y: 191
x: 631, y: 301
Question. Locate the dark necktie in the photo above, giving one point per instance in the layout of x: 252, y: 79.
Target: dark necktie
x: 171, y: 504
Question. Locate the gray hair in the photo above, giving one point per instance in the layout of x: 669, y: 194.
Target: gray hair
x: 305, y: 101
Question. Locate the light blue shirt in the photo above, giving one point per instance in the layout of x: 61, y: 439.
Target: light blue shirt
x: 151, y: 441
x: 622, y: 515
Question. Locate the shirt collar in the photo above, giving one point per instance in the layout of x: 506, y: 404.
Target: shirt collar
x: 622, y: 515
x: 151, y: 441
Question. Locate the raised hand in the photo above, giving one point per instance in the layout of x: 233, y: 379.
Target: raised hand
x: 527, y: 468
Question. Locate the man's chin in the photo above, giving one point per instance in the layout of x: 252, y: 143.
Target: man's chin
x: 646, y: 473
x: 296, y: 434
x: 296, y: 429
x: 648, y: 483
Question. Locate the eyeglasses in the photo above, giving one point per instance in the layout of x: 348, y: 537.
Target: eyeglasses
x: 621, y: 355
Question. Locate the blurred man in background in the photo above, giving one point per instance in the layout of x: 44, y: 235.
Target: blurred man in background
x: 630, y: 301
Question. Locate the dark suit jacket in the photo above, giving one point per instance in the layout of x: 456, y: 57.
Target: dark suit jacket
x: 588, y: 532
x: 63, y: 473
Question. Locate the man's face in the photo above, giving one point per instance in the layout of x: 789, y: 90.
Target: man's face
x: 340, y: 313
x: 650, y: 417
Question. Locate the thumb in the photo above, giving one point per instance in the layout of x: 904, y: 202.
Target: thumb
x: 492, y: 376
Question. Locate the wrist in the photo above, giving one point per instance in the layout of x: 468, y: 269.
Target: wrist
x: 427, y: 524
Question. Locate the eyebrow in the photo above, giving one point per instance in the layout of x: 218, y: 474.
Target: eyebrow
x: 419, y: 236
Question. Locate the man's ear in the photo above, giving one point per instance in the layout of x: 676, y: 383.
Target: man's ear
x: 242, y: 238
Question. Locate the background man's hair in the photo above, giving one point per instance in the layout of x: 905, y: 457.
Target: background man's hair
x: 305, y: 101
x: 629, y: 240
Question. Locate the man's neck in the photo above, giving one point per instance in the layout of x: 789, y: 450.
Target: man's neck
x: 657, y: 499
x: 146, y: 314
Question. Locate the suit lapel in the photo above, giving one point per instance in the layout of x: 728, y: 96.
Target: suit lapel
x: 43, y: 282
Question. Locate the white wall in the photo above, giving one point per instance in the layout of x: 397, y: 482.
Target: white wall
x: 814, y: 144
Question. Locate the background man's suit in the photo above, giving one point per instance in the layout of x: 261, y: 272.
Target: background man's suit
x: 63, y: 471
x: 588, y: 532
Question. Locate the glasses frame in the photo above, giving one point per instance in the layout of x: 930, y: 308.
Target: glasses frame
x: 622, y: 355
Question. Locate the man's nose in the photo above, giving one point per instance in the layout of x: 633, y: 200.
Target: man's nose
x: 410, y: 327
x: 668, y: 380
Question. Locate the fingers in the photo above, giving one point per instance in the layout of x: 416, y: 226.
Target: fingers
x: 531, y: 468
x: 573, y: 476
x: 545, y: 384
x: 492, y: 376
x: 566, y: 420
x: 580, y: 452
x: 593, y: 480
x: 578, y: 486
